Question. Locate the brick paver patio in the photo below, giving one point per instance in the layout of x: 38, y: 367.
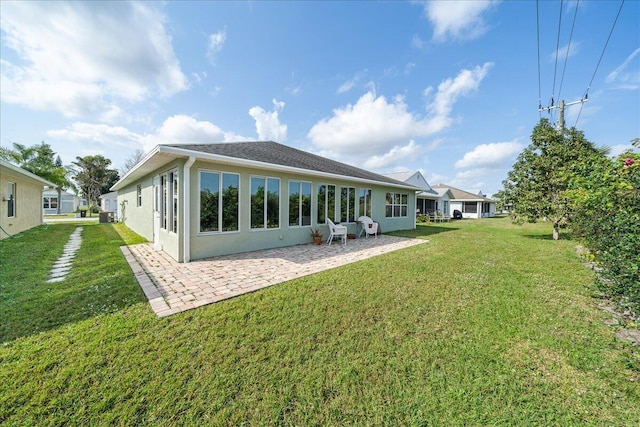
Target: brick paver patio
x: 172, y: 287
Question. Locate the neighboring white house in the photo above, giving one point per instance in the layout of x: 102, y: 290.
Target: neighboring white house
x: 430, y: 199
x: 68, y: 202
x: 109, y: 202
x: 471, y: 205
x: 21, y: 194
x: 201, y: 200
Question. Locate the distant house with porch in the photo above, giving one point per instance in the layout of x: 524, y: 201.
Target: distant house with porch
x: 471, y: 205
x: 21, y: 194
x: 200, y: 200
x: 429, y: 200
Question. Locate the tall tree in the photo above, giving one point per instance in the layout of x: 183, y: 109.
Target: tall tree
x: 538, y: 186
x: 94, y: 177
x: 131, y: 162
x: 39, y: 160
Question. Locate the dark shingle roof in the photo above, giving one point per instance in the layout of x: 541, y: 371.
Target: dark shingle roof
x: 461, y: 194
x: 278, y: 154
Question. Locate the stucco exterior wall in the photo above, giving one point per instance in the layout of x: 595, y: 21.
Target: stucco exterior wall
x: 28, y: 203
x: 245, y: 239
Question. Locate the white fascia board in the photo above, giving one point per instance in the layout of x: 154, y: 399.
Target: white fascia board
x: 18, y: 170
x: 122, y: 181
x: 270, y: 166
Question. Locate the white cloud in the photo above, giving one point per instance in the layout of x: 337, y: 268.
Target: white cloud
x: 349, y: 84
x: 566, y: 51
x: 216, y: 42
x: 458, y: 20
x: 490, y: 155
x: 80, y: 58
x: 417, y: 42
x: 627, y: 74
x: 116, y: 142
x: 450, y: 90
x: 373, y: 126
x: 395, y: 155
x: 268, y: 123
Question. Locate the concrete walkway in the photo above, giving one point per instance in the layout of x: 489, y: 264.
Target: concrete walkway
x: 172, y: 287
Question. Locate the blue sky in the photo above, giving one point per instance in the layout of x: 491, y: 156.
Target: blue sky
x: 447, y: 88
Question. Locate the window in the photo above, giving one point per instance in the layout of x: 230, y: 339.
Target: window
x: 470, y: 207
x: 169, y: 204
x: 299, y: 203
x: 219, y: 201
x: 139, y: 195
x: 396, y: 205
x: 326, y: 203
x: 11, y: 199
x: 173, y: 178
x: 445, y: 204
x: 50, y: 202
x: 347, y: 204
x: 485, y: 208
x: 365, y: 202
x: 265, y: 210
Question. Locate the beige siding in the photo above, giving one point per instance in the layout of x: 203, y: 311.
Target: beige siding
x: 28, y: 203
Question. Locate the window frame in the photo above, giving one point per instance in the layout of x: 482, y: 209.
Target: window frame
x: 301, y: 217
x: 139, y: 195
x: 220, y: 202
x: 399, y: 206
x: 329, y: 201
x: 367, y: 194
x: 12, y: 189
x: 267, y: 180
x: 348, y: 212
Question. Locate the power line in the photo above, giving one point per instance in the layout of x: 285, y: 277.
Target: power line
x: 539, y: 81
x: 555, y: 68
x: 566, y: 57
x: 586, y: 93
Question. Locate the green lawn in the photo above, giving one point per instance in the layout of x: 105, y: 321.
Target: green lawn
x: 488, y: 324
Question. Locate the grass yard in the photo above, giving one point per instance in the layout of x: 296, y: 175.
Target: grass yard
x: 488, y: 324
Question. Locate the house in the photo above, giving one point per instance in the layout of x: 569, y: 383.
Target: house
x: 109, y: 202
x: 202, y: 200
x: 471, y: 205
x: 67, y: 202
x: 21, y: 193
x: 429, y: 199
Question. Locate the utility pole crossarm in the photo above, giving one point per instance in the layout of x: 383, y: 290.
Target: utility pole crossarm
x: 561, y: 106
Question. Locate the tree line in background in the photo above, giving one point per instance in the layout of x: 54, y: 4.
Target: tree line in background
x: 563, y: 178
x: 88, y: 176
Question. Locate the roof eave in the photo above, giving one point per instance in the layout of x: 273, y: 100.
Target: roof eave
x: 132, y: 175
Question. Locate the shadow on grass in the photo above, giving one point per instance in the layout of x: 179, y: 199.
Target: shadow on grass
x: 100, y: 280
x: 424, y: 230
x: 548, y: 236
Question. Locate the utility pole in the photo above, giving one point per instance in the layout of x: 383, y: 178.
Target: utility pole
x: 560, y: 107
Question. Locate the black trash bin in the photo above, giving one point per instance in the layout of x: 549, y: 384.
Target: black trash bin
x: 83, y: 214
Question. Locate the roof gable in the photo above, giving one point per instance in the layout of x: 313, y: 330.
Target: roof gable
x: 414, y: 178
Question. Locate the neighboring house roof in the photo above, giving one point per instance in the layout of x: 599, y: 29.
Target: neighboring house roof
x: 443, y: 191
x: 462, y: 195
x: 259, y: 154
x: 414, y: 178
x: 24, y: 173
x: 109, y: 195
x: 54, y: 192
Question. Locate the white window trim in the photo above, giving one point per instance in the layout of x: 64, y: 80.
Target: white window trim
x: 266, y: 179
x: 219, y: 172
x: 300, y: 181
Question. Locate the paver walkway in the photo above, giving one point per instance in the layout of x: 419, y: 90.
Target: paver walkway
x: 172, y: 287
x: 62, y: 266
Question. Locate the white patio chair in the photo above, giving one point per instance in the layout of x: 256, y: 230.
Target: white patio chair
x: 336, y: 231
x: 368, y: 227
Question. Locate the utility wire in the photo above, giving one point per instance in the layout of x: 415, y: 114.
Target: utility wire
x: 555, y: 68
x: 539, y: 81
x: 566, y: 57
x: 586, y: 93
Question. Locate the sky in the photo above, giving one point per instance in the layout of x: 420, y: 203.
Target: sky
x: 449, y: 88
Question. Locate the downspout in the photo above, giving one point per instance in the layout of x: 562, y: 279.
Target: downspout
x: 186, y: 209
